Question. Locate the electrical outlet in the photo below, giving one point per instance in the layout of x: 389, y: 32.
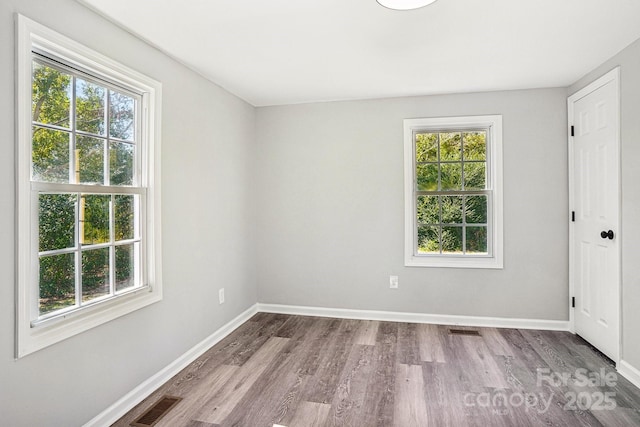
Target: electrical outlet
x: 221, y: 296
x: 393, y: 282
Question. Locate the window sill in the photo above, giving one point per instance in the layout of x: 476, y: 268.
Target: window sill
x: 454, y: 262
x: 36, y: 336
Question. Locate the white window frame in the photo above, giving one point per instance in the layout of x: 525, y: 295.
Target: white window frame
x: 33, y: 334
x: 494, y: 185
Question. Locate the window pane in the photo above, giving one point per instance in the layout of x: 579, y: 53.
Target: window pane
x: 476, y: 240
x: 426, y: 147
x: 451, y: 176
x: 450, y: 146
x: 428, y: 239
x: 475, y: 176
x: 428, y: 209
x: 427, y: 177
x: 51, y: 96
x: 121, y: 116
x: 90, y: 107
x: 50, y: 155
x: 451, y: 209
x: 57, y: 220
x: 124, y: 216
x: 475, y: 145
x: 94, y: 219
x: 90, y: 154
x: 476, y: 209
x: 57, y: 282
x: 121, y: 163
x: 452, y: 240
x: 125, y: 266
x: 95, y: 274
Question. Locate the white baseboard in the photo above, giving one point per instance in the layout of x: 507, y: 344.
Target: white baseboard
x: 629, y: 372
x: 138, y: 394
x: 440, y: 319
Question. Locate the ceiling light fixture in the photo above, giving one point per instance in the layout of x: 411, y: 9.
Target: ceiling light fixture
x: 405, y: 4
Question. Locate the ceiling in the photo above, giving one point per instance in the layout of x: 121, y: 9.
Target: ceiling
x: 296, y: 51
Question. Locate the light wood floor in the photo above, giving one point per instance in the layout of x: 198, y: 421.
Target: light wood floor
x: 300, y: 371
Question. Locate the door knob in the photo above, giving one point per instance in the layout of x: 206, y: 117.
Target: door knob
x: 607, y: 234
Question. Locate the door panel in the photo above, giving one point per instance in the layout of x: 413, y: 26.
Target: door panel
x: 595, y: 188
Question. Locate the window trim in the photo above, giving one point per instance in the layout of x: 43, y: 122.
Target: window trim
x: 494, y: 185
x: 34, y: 335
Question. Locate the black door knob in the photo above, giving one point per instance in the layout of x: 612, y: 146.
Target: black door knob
x: 607, y: 234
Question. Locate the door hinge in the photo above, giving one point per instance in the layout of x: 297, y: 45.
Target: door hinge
x: 573, y: 131
x: 573, y: 216
x: 573, y: 302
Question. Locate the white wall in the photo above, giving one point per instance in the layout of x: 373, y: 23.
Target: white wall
x: 329, y: 197
x: 629, y: 62
x: 207, y: 137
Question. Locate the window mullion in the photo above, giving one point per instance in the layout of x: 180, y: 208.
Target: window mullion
x: 74, y: 178
x: 107, y: 142
x: 462, y: 161
x: 140, y: 112
x: 490, y: 223
x: 112, y: 249
x: 463, y: 186
x: 464, y: 223
x: 78, y: 252
x: 464, y: 199
x: 454, y: 193
x: 34, y: 257
x: 53, y: 187
x: 74, y: 169
x: 140, y: 251
x: 439, y: 192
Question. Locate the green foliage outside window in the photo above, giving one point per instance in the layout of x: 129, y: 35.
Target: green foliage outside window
x: 451, y: 174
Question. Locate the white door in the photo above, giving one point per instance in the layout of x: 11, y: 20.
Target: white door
x: 595, y: 193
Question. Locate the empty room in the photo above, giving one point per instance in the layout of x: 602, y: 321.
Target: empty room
x: 366, y: 213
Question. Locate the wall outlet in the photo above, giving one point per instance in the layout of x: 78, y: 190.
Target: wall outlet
x: 221, y: 296
x: 393, y: 282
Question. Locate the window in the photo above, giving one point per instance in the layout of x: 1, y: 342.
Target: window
x: 453, y: 192
x: 88, y: 188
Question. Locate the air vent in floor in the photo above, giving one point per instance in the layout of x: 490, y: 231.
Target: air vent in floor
x: 464, y: 332
x: 156, y: 412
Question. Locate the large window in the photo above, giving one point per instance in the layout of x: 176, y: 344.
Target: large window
x: 88, y: 188
x: 453, y: 182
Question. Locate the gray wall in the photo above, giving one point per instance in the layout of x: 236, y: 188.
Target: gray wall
x: 629, y: 62
x: 298, y: 205
x: 207, y: 136
x: 329, y: 197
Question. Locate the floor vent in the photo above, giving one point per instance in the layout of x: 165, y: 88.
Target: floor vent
x: 473, y: 333
x: 156, y: 412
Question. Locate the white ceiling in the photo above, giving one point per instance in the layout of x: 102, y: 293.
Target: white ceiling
x: 294, y: 51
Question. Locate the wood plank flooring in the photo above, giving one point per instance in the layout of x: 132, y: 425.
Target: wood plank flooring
x: 298, y: 371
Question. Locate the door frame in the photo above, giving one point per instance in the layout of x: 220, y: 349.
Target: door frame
x: 611, y: 76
